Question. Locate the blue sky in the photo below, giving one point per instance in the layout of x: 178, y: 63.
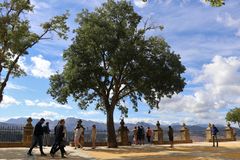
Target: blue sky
x: 208, y: 40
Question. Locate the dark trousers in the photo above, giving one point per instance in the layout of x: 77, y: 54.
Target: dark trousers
x: 215, y: 140
x: 56, y: 146
x: 149, y: 139
x: 37, y: 140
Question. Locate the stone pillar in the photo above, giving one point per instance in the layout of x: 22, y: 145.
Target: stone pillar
x: 185, y: 136
x: 209, y: 133
x: 158, y: 134
x: 123, y: 131
x: 229, y: 133
x: 27, y: 133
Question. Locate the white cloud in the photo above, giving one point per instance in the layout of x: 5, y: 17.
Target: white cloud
x: 40, y: 5
x: 46, y: 115
x: 140, y: 3
x: 220, y: 89
x: 204, y: 2
x: 7, y: 101
x: 88, y: 113
x: 230, y: 22
x: 41, y: 67
x: 222, y: 71
x: 14, y: 86
x: 137, y: 119
x: 23, y: 65
x: 43, y: 104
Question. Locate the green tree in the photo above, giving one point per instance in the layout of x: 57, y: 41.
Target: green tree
x: 16, y: 37
x: 234, y: 116
x: 216, y: 3
x: 112, y: 61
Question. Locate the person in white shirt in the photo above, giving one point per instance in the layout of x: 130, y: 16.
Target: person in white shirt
x: 77, y: 133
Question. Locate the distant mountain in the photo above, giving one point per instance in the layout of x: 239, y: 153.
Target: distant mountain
x: 71, y: 123
x: 195, y: 130
x: 2, y: 124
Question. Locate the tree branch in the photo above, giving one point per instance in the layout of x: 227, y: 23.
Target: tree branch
x: 126, y: 94
x: 3, y: 85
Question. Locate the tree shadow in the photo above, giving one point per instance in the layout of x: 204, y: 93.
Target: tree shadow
x: 165, y: 153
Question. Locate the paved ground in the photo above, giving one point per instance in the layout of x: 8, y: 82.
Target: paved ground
x: 21, y: 154
x: 194, y: 151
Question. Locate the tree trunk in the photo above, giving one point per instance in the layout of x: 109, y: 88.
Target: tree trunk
x: 3, y: 85
x: 1, y: 98
x: 112, y: 142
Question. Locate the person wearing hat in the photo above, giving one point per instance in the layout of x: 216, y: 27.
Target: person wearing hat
x: 37, y: 137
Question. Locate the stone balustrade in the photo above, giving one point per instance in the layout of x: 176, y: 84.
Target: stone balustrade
x: 230, y: 134
x: 158, y: 134
x: 185, y: 135
x: 123, y: 135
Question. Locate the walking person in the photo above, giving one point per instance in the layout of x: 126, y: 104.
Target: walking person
x: 214, y: 135
x: 59, y: 139
x: 55, y: 144
x: 135, y: 133
x: 170, y: 136
x: 46, y: 134
x: 37, y: 137
x: 77, y: 134
x: 94, y: 136
x: 149, y: 134
x: 81, y: 139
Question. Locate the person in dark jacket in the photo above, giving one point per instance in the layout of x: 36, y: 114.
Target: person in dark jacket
x: 170, y: 136
x: 214, y: 135
x: 55, y: 144
x: 46, y: 134
x: 139, y: 135
x: 37, y: 137
x: 59, y: 139
x: 143, y: 135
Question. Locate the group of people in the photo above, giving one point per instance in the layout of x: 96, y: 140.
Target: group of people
x: 59, y: 138
x: 41, y: 137
x: 139, y: 135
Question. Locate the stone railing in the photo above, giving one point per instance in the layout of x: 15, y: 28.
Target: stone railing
x: 229, y: 135
x: 26, y: 138
x: 158, y: 135
x: 124, y: 137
